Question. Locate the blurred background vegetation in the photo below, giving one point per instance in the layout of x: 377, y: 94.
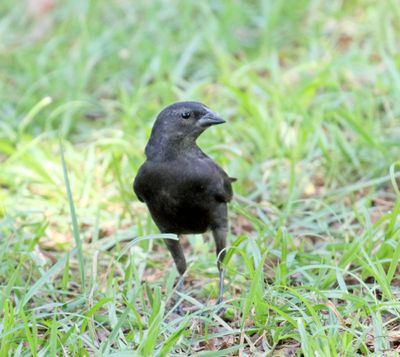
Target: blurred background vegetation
x: 310, y: 91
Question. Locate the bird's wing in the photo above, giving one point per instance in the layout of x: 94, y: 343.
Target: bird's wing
x: 222, y: 186
x: 138, y: 184
x: 227, y: 193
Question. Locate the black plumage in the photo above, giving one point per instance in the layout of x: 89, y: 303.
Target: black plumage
x: 185, y: 191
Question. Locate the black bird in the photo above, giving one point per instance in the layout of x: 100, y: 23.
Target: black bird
x: 185, y: 191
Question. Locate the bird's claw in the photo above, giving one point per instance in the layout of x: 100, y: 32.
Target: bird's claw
x: 179, y: 310
x: 220, y: 310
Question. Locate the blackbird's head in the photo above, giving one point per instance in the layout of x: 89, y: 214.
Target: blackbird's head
x: 178, y: 126
x: 184, y: 119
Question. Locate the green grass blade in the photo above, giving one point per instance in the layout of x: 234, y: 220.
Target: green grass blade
x: 75, y: 227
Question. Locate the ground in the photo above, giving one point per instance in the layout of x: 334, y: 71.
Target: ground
x: 310, y: 92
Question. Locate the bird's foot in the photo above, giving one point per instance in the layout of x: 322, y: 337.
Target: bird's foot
x: 179, y: 310
x: 220, y: 310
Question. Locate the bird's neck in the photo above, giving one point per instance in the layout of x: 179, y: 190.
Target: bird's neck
x: 168, y: 149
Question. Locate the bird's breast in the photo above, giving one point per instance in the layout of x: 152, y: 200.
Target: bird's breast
x: 178, y: 197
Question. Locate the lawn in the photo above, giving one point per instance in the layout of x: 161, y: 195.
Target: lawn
x: 310, y: 92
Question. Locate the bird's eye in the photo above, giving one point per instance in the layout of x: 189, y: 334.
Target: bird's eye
x: 185, y: 115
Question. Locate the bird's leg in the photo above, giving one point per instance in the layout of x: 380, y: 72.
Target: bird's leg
x: 175, y: 248
x: 221, y: 286
x: 179, y: 289
x: 220, y: 242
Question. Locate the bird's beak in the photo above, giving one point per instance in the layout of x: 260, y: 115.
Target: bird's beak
x: 210, y: 119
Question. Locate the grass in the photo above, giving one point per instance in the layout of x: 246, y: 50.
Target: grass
x: 310, y: 91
